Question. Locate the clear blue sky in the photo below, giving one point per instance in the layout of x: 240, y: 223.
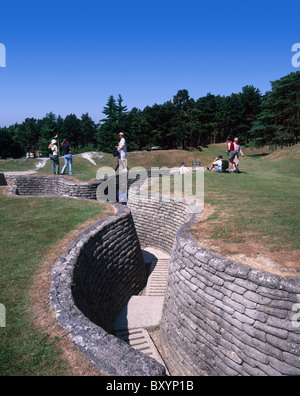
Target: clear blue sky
x: 69, y: 56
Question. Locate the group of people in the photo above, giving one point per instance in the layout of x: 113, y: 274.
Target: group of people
x: 233, y: 152
x: 120, y: 151
x: 54, y: 156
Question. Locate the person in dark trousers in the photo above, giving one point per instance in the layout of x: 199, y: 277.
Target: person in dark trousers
x: 121, y: 152
x: 231, y: 154
x: 218, y: 165
x: 68, y: 157
x: 54, y: 157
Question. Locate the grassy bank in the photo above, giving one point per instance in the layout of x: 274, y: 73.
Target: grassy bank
x: 18, y: 165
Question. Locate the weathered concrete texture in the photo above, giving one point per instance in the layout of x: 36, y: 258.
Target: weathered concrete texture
x: 100, y: 271
x: 226, y: 318
x: 35, y: 185
x: 156, y: 221
x: 108, y: 254
x: 53, y: 186
x: 141, y: 341
x: 140, y: 311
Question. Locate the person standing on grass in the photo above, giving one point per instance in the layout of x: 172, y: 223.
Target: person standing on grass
x: 68, y: 157
x: 54, y: 157
x: 238, y: 151
x: 122, y: 157
x: 231, y: 154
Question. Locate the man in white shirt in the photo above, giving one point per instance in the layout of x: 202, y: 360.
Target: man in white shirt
x: 238, y: 151
x: 122, y: 150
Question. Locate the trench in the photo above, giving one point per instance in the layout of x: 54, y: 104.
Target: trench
x: 219, y: 317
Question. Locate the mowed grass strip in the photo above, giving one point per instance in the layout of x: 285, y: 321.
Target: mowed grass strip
x: 30, y: 228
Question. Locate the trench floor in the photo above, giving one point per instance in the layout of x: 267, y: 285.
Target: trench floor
x: 144, y: 312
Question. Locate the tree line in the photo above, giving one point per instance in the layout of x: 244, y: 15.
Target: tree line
x: 183, y: 122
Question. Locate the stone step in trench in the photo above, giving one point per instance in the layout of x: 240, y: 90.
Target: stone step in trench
x: 140, y: 340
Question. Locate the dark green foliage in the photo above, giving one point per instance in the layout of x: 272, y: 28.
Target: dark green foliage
x: 270, y: 119
x: 278, y: 121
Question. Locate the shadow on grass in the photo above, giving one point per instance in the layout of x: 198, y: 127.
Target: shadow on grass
x: 258, y: 155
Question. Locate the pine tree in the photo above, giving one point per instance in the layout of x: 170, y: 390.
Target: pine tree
x: 112, y: 125
x: 72, y: 130
x: 87, y: 131
x: 278, y: 123
x: 47, y: 133
x: 111, y: 109
x: 121, y: 110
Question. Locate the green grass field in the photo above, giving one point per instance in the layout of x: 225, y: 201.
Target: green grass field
x: 30, y: 230
x: 261, y: 205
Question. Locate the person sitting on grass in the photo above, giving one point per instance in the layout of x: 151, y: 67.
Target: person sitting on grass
x: 218, y: 164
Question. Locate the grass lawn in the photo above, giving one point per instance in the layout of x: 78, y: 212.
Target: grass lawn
x: 30, y: 230
x: 260, y: 206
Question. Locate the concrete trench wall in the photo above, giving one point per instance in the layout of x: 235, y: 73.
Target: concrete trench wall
x: 108, y: 270
x: 157, y: 221
x: 91, y: 282
x: 220, y: 317
x: 52, y: 186
x: 225, y: 318
x: 97, y: 274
